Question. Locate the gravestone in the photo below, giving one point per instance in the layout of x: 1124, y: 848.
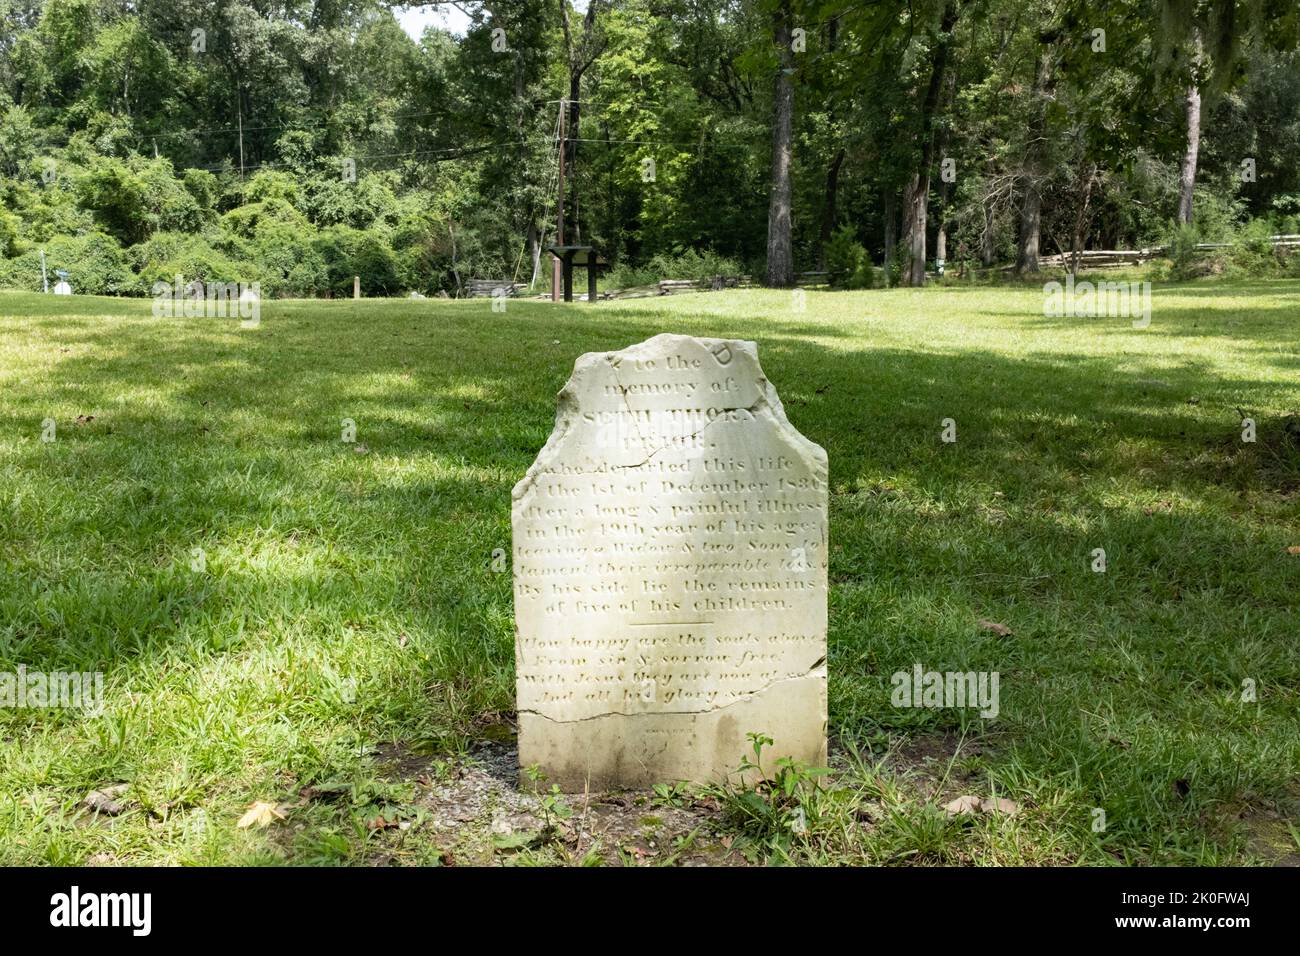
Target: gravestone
x: 670, y: 573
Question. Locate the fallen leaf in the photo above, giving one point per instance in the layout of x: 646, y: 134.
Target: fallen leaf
x: 1000, y: 805
x: 361, y: 449
x: 85, y: 419
x: 1293, y: 549
x: 105, y: 801
x: 962, y: 806
x: 260, y: 814
x: 513, y: 841
x: 999, y: 629
x: 383, y: 823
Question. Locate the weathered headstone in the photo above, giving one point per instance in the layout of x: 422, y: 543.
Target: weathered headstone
x: 670, y: 572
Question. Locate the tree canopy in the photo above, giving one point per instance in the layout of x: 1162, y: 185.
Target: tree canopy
x: 307, y: 141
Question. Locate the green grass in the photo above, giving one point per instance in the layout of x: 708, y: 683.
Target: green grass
x: 349, y: 599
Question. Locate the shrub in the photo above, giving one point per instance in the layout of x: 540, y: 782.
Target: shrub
x: 1185, y: 260
x: 423, y: 248
x: 847, y: 261
x: 8, y: 234
x: 95, y: 263
x: 168, y: 255
x: 289, y: 262
x: 270, y: 184
x: 348, y: 252
x: 689, y: 264
x: 246, y: 221
x: 1252, y: 250
x: 132, y: 200
x: 203, y: 186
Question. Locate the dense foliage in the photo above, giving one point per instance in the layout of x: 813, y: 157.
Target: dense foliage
x: 299, y: 143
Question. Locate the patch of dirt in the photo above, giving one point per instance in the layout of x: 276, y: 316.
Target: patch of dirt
x: 1269, y: 834
x: 934, y: 762
x: 479, y: 815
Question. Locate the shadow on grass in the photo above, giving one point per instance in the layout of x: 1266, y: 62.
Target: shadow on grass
x: 237, y: 447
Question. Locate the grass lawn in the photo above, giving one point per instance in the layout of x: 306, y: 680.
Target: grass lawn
x: 347, y: 646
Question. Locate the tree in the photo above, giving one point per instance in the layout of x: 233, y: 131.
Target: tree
x: 780, y: 246
x: 916, y: 196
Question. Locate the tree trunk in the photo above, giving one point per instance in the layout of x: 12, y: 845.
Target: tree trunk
x: 1187, y: 178
x: 1031, y: 223
x: 917, y: 197
x: 780, y: 251
x: 891, y: 213
x: 1031, y: 203
x: 987, y: 238
x: 534, y: 253
x: 941, y: 235
x: 828, y: 208
x: 916, y: 201
x: 1081, y: 220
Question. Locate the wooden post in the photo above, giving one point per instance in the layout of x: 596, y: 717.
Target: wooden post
x: 568, y: 277
x: 356, y: 287
x: 591, y: 277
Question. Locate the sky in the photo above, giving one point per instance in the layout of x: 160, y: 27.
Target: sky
x: 418, y: 16
x: 415, y: 18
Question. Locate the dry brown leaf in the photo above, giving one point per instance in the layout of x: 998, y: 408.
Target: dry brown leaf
x: 260, y: 814
x: 999, y: 629
x: 1000, y: 805
x: 962, y: 806
x: 1293, y: 549
x: 105, y: 801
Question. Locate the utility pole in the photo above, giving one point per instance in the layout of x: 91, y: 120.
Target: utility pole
x: 241, y: 133
x: 556, y: 266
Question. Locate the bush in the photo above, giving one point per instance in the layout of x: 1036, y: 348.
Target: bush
x: 8, y: 234
x: 269, y: 184
x: 169, y: 254
x: 367, y: 202
x: 847, y: 261
x: 1185, y: 260
x: 132, y: 200
x: 289, y: 262
x: 683, y: 265
x: 1252, y: 251
x: 95, y: 263
x: 423, y: 247
x: 348, y: 252
x: 203, y: 186
x: 248, y: 220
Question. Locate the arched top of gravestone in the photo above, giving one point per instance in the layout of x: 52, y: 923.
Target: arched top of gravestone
x: 621, y: 409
